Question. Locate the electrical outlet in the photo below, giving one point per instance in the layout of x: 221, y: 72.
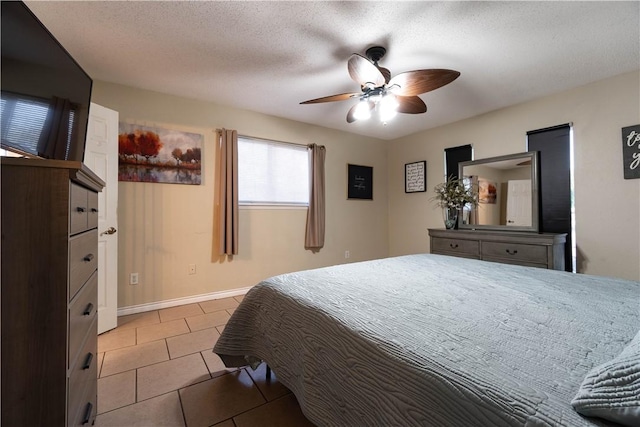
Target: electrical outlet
x: 347, y: 254
x: 192, y: 269
x: 133, y: 279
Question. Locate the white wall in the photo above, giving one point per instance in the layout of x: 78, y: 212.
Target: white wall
x: 607, y: 206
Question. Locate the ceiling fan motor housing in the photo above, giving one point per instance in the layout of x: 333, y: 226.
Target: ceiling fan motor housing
x: 375, y: 53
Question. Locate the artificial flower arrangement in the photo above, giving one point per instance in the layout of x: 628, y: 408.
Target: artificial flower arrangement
x: 454, y: 193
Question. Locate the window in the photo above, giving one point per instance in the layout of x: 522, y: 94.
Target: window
x: 453, y: 156
x: 557, y: 209
x: 272, y: 173
x: 23, y: 122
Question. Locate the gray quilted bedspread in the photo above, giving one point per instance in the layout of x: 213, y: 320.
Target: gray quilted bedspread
x: 428, y: 340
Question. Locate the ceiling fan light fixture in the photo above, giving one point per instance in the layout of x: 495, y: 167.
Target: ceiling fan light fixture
x: 384, y: 95
x: 388, y: 107
x: 375, y: 96
x: 362, y: 111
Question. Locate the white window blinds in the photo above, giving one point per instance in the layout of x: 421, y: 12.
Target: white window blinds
x: 272, y: 173
x: 23, y: 121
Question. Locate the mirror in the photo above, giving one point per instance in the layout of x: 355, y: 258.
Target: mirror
x: 507, y: 190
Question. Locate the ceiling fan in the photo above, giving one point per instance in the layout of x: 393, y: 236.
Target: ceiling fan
x: 383, y: 94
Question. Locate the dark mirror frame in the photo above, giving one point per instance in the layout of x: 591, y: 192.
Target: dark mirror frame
x: 531, y: 156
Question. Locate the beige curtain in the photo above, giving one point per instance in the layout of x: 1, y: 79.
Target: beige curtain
x: 226, y: 197
x: 314, y: 237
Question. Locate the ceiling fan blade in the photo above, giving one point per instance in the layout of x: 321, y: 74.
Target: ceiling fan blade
x: 339, y: 97
x: 416, y: 82
x: 351, y: 114
x: 411, y: 105
x: 362, y: 71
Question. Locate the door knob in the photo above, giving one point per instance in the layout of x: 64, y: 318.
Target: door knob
x: 109, y: 230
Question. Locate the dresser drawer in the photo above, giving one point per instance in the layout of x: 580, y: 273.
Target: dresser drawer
x: 83, y: 260
x: 78, y: 209
x: 515, y: 262
x: 83, y: 382
x: 82, y: 311
x: 87, y: 413
x: 88, y: 408
x: 92, y: 213
x: 519, y: 253
x: 455, y: 246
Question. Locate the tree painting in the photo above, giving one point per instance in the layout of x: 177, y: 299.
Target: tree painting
x: 151, y: 154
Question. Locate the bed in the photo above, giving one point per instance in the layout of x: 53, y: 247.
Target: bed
x: 431, y: 340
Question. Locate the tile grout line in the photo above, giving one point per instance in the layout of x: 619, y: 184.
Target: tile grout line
x: 101, y: 363
x: 135, y: 386
x: 166, y: 344
x: 184, y: 416
x: 256, y: 385
x: 205, y: 364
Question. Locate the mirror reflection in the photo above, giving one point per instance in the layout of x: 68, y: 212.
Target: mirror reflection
x: 507, y: 192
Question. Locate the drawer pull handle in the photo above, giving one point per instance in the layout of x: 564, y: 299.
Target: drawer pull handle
x: 87, y: 361
x: 94, y: 210
x: 87, y: 413
x: 88, y: 258
x: 88, y: 310
x: 80, y: 209
x: 512, y: 252
x: 453, y: 245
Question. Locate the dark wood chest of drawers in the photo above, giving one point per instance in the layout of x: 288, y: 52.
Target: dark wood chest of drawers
x: 545, y: 250
x: 49, y: 292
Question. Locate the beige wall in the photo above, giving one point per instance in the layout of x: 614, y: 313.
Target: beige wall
x: 607, y: 206
x: 165, y: 227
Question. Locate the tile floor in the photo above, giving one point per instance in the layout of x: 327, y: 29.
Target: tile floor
x: 157, y: 369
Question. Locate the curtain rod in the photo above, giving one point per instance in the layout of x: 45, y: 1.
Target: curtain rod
x: 273, y: 140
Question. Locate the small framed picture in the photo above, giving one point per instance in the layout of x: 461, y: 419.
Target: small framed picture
x: 359, y: 182
x: 415, y: 177
x: 487, y: 191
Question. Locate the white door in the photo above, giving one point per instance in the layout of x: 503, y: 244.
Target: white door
x: 101, y: 156
x: 519, y: 202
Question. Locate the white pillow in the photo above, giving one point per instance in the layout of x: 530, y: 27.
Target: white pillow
x: 612, y: 390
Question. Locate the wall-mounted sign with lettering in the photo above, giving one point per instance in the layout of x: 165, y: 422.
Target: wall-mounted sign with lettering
x: 415, y: 177
x: 631, y: 151
x: 360, y: 182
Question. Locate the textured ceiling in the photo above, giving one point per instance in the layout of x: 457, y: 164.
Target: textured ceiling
x: 270, y: 56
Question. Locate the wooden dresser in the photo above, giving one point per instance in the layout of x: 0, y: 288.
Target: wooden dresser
x: 545, y: 250
x: 49, y: 292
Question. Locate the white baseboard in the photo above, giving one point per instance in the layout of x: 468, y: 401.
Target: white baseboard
x: 141, y: 308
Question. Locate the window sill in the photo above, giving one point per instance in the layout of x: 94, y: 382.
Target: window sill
x: 273, y: 207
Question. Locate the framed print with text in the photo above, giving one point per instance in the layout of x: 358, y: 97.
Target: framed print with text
x: 415, y: 177
x: 359, y: 182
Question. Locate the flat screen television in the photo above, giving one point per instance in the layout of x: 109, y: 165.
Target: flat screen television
x: 45, y: 93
